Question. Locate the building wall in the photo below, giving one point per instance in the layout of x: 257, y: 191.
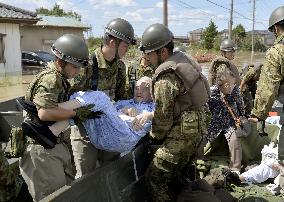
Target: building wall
x: 195, y: 37
x: 10, y: 68
x: 41, y: 38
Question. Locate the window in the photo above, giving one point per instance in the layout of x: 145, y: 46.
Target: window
x: 2, y: 48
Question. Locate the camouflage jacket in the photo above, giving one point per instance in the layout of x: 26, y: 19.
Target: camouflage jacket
x: 249, y: 74
x: 270, y: 78
x: 167, y: 87
x: 9, y: 183
x: 136, y: 70
x: 111, y: 79
x: 49, y: 88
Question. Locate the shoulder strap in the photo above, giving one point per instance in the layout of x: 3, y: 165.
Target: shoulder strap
x: 230, y: 109
x: 95, y: 76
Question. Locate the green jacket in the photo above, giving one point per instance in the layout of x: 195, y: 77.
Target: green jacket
x: 48, y: 88
x: 271, y: 76
x: 111, y: 79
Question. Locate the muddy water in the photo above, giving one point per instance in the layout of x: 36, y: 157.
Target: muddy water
x: 11, y: 91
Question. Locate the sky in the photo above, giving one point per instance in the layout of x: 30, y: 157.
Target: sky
x: 184, y: 15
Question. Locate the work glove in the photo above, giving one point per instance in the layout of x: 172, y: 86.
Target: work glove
x: 231, y: 177
x: 84, y: 113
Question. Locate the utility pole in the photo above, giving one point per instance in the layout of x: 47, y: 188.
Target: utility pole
x: 252, y: 32
x: 231, y: 20
x: 165, y: 13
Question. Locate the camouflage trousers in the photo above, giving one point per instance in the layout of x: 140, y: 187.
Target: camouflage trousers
x: 173, y: 155
x: 86, y: 156
x: 10, y: 182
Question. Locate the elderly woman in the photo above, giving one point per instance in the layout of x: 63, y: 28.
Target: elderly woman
x: 224, y: 95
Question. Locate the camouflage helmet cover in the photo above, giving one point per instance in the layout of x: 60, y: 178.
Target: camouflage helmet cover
x: 276, y: 16
x: 228, y: 45
x: 72, y: 49
x: 121, y: 29
x: 155, y: 37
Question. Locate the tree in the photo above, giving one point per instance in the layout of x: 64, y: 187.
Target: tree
x: 94, y: 42
x: 239, y: 33
x: 258, y: 44
x: 217, y: 42
x: 57, y: 11
x: 209, y: 35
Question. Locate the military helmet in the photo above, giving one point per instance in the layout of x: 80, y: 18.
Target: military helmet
x: 276, y: 16
x: 228, y: 45
x: 180, y: 49
x: 155, y: 37
x: 121, y: 29
x: 72, y: 49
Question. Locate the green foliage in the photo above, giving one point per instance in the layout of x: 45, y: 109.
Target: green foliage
x: 258, y: 44
x: 57, y: 11
x: 209, y: 35
x: 217, y: 42
x: 94, y: 42
x: 239, y: 33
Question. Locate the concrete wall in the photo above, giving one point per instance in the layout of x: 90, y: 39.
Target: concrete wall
x: 41, y: 38
x: 11, y: 68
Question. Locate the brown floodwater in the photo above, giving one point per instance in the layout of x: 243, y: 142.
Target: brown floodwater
x: 10, y: 90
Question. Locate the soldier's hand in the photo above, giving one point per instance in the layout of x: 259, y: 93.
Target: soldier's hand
x: 95, y: 115
x: 84, y: 113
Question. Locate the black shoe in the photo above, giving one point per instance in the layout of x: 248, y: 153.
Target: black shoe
x: 40, y: 133
x: 232, y: 177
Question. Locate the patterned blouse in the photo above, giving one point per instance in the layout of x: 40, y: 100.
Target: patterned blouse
x: 221, y: 120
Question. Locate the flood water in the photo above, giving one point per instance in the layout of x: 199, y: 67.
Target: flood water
x: 9, y: 91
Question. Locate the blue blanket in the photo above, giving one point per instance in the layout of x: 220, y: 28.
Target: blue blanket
x: 113, y: 131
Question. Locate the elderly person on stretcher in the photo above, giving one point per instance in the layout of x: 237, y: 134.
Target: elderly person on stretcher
x: 119, y: 126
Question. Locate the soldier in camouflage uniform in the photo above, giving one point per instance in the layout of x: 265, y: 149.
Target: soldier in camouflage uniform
x: 10, y: 184
x: 138, y: 69
x: 270, y: 84
x: 250, y: 77
x: 179, y: 118
x: 46, y: 170
x: 108, y: 74
x: 227, y: 49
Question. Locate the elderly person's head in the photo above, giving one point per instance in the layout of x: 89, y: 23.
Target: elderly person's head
x: 142, y: 91
x: 225, y: 80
